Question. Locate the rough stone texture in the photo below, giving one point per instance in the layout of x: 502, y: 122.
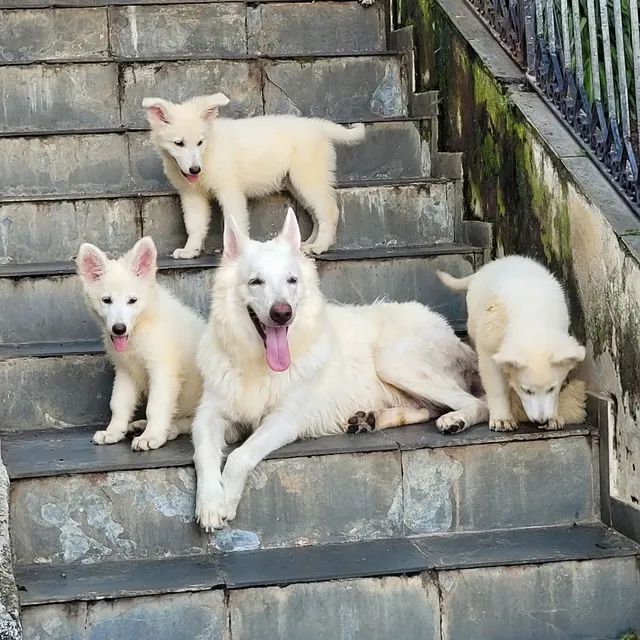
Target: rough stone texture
x: 53, y: 34
x: 178, y: 81
x: 342, y: 89
x: 321, y: 27
x: 402, y: 607
x: 187, y: 616
x: 562, y: 601
x: 178, y: 30
x: 89, y: 517
x: 58, y: 98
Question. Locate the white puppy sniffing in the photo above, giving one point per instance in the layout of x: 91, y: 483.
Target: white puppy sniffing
x: 234, y: 160
x: 519, y: 324
x: 151, y: 339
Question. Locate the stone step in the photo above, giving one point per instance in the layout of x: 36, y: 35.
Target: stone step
x: 47, y: 4
x: 64, y: 167
x: 213, y: 30
x: 106, y: 96
x: 377, y: 215
x: 407, y: 481
x: 530, y: 583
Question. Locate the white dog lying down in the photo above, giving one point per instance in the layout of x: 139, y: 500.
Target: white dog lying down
x: 519, y: 324
x: 150, y: 337
x: 280, y: 361
x: 233, y: 160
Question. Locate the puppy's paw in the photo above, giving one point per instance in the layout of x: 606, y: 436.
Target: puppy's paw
x: 211, y: 511
x: 107, y: 437
x: 314, y: 248
x: 554, y: 424
x: 185, y: 254
x: 137, y: 426
x: 452, y: 422
x: 503, y: 424
x: 367, y: 3
x: 146, y: 442
x: 361, y: 422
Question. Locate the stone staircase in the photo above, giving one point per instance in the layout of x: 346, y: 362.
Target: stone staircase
x: 406, y: 533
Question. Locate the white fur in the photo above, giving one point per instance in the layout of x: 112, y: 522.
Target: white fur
x: 159, y: 360
x: 519, y: 323
x: 246, y: 158
x: 398, y: 360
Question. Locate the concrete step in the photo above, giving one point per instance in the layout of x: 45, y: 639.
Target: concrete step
x: 123, y: 164
x: 375, y: 215
x: 213, y: 30
x: 106, y: 96
x: 531, y: 584
x: 407, y: 481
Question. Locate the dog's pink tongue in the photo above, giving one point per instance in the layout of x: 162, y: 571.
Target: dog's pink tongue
x: 278, y: 357
x: 120, y: 342
x: 191, y: 178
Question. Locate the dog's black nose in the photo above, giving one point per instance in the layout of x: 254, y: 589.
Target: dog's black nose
x: 281, y: 312
x: 119, y: 329
x: 195, y: 170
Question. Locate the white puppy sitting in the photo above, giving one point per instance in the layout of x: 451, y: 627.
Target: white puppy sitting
x: 519, y: 323
x: 234, y: 160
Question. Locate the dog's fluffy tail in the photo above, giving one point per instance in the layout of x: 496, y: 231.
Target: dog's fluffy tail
x: 457, y: 284
x: 344, y: 135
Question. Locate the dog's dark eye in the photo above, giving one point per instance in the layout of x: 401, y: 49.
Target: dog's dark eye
x: 255, y: 282
x: 107, y: 300
x: 132, y: 300
x: 200, y: 142
x: 550, y: 389
x: 292, y: 280
x: 179, y: 143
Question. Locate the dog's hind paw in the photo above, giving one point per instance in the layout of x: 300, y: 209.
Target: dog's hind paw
x: 367, y: 3
x: 185, y: 254
x: 451, y: 423
x: 361, y: 422
x: 554, y: 424
x: 508, y: 424
x: 107, y: 437
x: 146, y: 442
x: 313, y: 248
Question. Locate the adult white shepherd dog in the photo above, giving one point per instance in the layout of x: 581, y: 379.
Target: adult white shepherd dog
x: 282, y: 363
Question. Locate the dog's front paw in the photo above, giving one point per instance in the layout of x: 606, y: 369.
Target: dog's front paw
x: 367, y: 3
x: 361, y: 422
x: 452, y: 422
x: 554, y: 424
x: 211, y: 511
x: 146, y: 442
x: 108, y: 437
x: 314, y: 248
x: 185, y: 254
x: 502, y: 424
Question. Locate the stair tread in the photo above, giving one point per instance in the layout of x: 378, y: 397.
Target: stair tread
x: 40, y: 584
x: 53, y: 452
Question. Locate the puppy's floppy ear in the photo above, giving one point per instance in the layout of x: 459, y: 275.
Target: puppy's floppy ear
x: 233, y: 239
x: 211, y: 104
x: 568, y: 353
x: 143, y: 258
x: 507, y: 358
x: 91, y: 263
x: 158, y: 110
x: 291, y: 230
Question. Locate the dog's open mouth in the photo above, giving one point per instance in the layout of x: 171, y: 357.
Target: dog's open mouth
x: 190, y: 177
x: 275, y: 342
x: 120, y: 343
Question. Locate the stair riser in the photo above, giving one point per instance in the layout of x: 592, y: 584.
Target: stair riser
x: 94, y: 165
x: 349, y: 281
x: 566, y: 598
x: 216, y: 29
x: 314, y: 500
x: 370, y: 217
x: 342, y: 89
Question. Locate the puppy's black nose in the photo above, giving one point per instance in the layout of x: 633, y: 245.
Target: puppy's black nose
x: 119, y: 329
x: 195, y: 170
x: 281, y: 312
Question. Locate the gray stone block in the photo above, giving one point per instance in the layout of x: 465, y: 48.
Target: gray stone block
x: 278, y: 28
x: 53, y: 34
x: 58, y: 97
x: 372, y: 608
x: 55, y: 621
x: 188, y: 30
x: 520, y: 484
x: 178, y: 81
x: 320, y: 507
x: 557, y: 601
x: 342, y: 89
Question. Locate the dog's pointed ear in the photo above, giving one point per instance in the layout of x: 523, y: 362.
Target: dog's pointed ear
x: 211, y: 104
x: 510, y: 359
x: 233, y: 239
x: 568, y: 353
x: 143, y: 258
x: 291, y: 230
x: 91, y: 263
x: 157, y: 110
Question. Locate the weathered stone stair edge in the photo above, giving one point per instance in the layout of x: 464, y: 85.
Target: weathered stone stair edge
x: 88, y: 4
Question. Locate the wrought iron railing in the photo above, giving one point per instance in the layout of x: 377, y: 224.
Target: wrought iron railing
x: 584, y: 56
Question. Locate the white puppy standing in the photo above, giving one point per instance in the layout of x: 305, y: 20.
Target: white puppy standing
x: 234, y: 160
x: 281, y: 361
x: 519, y: 324
x: 151, y: 339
